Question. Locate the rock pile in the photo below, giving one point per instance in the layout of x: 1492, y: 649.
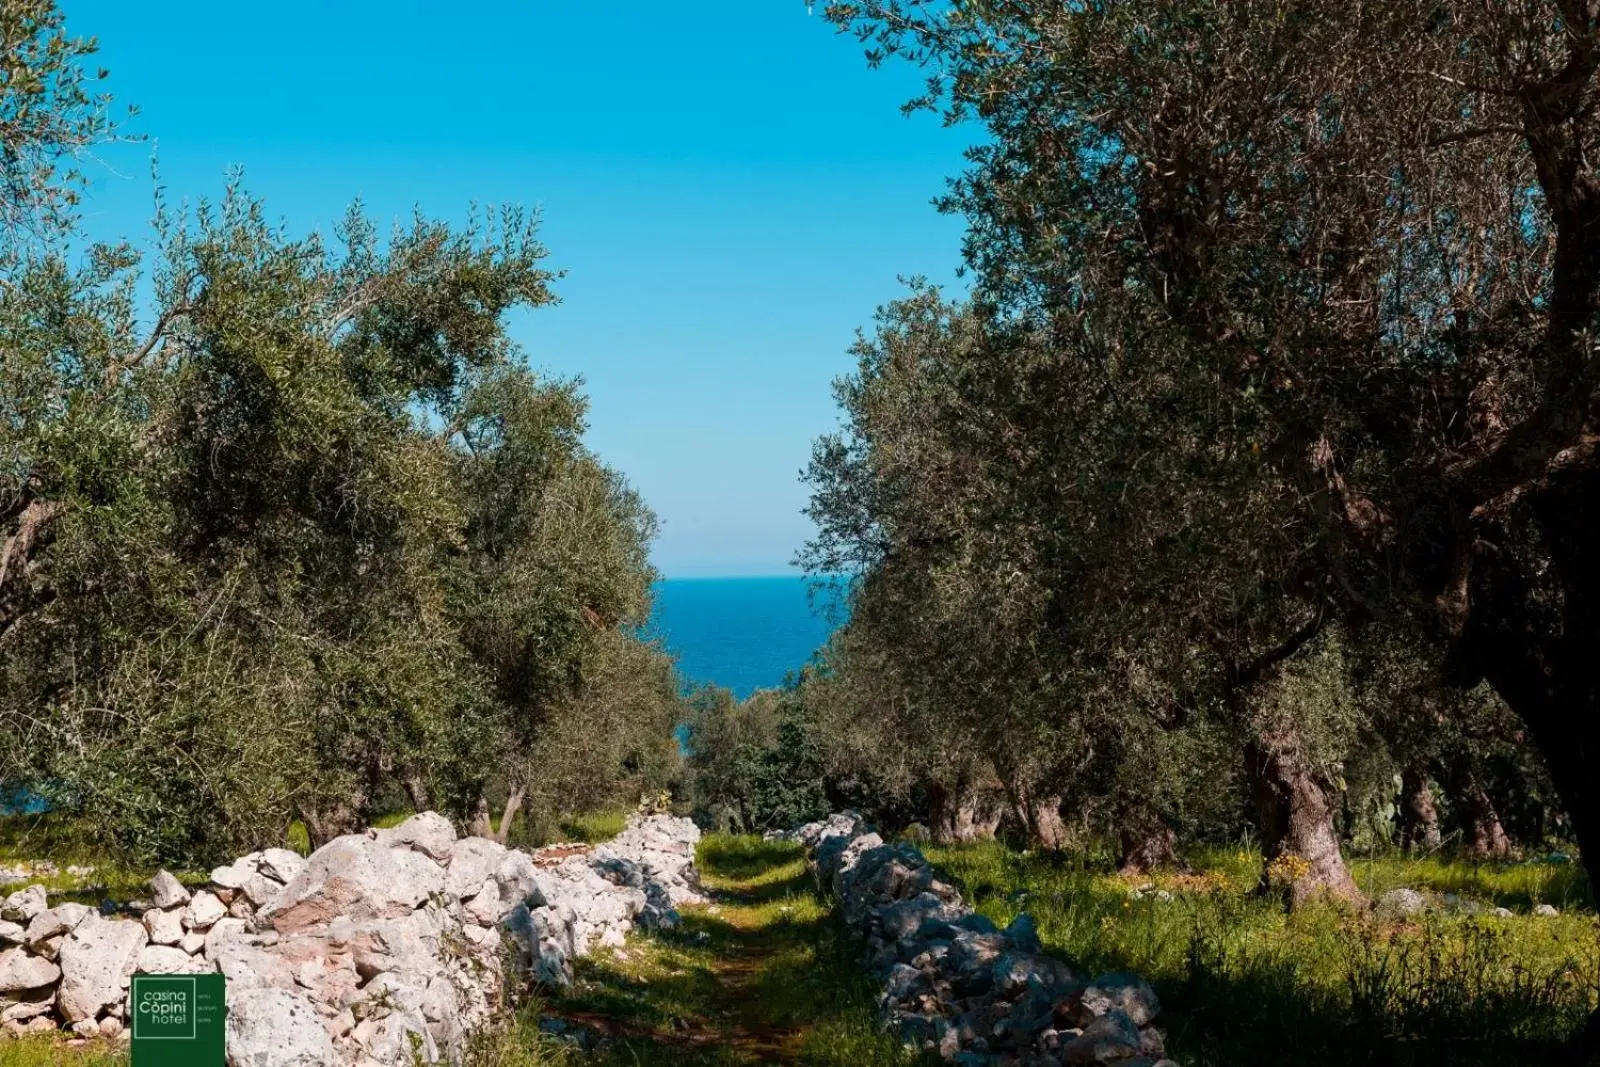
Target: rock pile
x: 375, y: 944
x: 957, y: 986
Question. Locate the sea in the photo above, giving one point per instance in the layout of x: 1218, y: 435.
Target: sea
x: 743, y: 634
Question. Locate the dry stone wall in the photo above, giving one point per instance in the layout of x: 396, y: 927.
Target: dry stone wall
x: 374, y: 945
x: 956, y: 985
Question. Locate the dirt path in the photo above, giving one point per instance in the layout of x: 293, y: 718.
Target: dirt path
x: 761, y: 975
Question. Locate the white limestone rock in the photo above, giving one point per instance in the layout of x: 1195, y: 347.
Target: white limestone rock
x: 203, y: 910
x: 21, y: 972
x: 24, y: 904
x: 275, y: 1028
x: 429, y: 833
x: 96, y: 962
x: 164, y: 927
x: 167, y: 892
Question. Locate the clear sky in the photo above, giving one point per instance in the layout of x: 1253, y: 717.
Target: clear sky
x: 731, y: 190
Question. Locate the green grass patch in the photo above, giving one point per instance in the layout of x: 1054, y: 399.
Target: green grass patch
x: 82, y: 873
x: 765, y: 974
x: 593, y: 827
x: 1244, y: 983
x: 52, y: 1051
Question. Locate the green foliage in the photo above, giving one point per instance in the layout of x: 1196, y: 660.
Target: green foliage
x: 754, y: 765
x: 51, y: 115
x: 314, y: 534
x: 594, y: 827
x: 1279, y: 325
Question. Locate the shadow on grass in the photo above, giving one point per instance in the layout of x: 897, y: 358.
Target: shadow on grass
x: 1243, y: 985
x: 765, y: 974
x: 742, y: 860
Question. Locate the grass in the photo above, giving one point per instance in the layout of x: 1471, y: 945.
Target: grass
x: 593, y: 827
x: 28, y: 838
x: 1242, y: 982
x: 44, y: 1051
x: 765, y: 974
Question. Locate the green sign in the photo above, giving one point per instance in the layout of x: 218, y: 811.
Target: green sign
x: 177, y: 1020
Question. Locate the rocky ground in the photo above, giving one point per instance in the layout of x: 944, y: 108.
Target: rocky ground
x: 375, y: 943
x: 956, y: 986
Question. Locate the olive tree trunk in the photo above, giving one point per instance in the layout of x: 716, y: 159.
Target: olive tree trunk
x: 1294, y: 810
x: 1419, y: 815
x: 1486, y: 837
x: 1148, y: 843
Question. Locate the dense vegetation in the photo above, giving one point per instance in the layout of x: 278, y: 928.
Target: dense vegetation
x: 1249, y: 495
x: 297, y: 535
x: 1234, y: 533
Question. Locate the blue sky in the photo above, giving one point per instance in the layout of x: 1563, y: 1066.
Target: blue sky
x: 730, y: 189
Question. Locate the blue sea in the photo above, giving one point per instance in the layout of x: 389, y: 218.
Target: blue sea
x: 741, y: 633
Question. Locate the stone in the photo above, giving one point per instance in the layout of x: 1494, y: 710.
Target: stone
x: 1024, y: 933
x: 164, y: 927
x: 96, y: 962
x: 259, y: 890
x: 275, y: 1028
x: 486, y: 907
x: 167, y: 959
x: 203, y: 910
x: 1109, y: 1038
x: 42, y: 1024
x: 232, y: 876
x: 24, y: 904
x: 20, y: 1006
x: 21, y: 972
x: 955, y: 985
x: 382, y: 941
x: 280, y: 864
x: 1400, y: 904
x: 223, y: 931
x: 429, y: 833
x: 1503, y: 913
x: 473, y: 860
x: 354, y: 875
x: 1545, y: 910
x: 167, y: 892
x: 1127, y: 993
x: 50, y: 927
x: 250, y: 966
x: 11, y: 933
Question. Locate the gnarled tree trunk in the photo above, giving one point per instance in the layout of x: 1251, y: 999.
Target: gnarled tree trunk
x: 416, y: 791
x: 325, y: 824
x: 480, y: 824
x: 1485, y: 836
x: 514, y: 801
x: 1419, y: 816
x: 962, y: 813
x: 1148, y: 843
x: 1294, y: 808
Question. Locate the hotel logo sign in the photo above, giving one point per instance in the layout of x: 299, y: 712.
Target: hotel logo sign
x: 177, y: 1020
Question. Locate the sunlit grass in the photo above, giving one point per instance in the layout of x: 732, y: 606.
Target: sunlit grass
x: 52, y: 1051
x: 766, y: 974
x: 82, y: 873
x: 1243, y: 980
x: 593, y: 827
